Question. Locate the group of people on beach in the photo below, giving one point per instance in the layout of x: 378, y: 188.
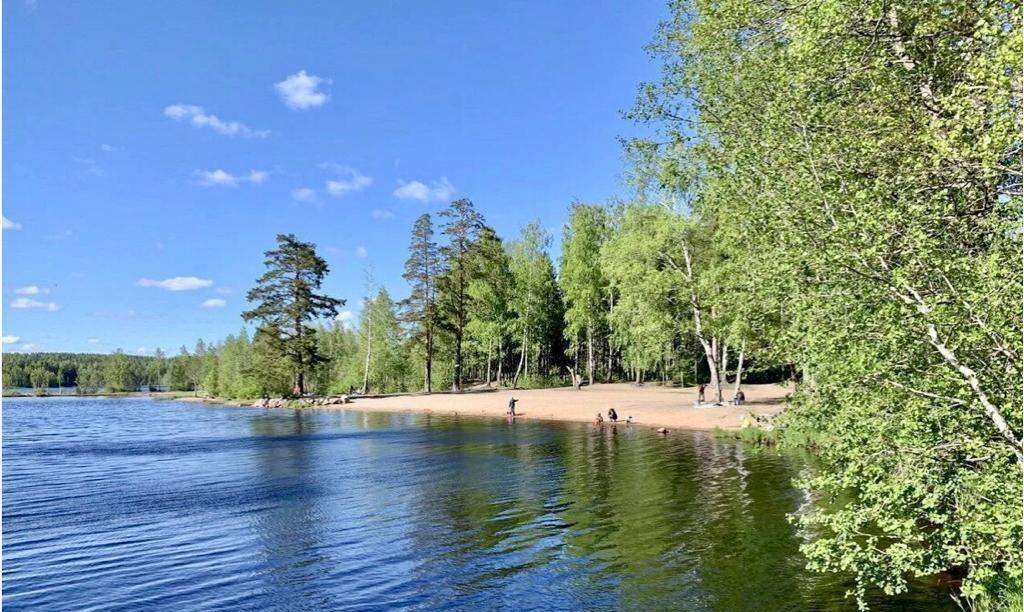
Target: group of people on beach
x: 737, y: 400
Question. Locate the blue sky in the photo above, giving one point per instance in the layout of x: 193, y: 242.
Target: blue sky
x: 152, y: 151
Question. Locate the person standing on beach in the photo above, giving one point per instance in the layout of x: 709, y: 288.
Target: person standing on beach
x: 700, y: 393
x: 512, y: 406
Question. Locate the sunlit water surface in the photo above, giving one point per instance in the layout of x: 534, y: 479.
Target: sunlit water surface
x: 126, y: 504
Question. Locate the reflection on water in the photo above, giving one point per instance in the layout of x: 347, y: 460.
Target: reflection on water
x: 131, y: 503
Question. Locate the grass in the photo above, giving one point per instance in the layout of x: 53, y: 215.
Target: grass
x: 1005, y: 595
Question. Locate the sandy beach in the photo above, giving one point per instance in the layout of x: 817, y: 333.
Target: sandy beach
x: 655, y: 406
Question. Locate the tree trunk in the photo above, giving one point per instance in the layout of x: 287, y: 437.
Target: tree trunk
x: 725, y: 362
x: 590, y: 354
x: 709, y: 349
x: 522, y: 360
x: 429, y: 365
x: 490, y: 347
x: 739, y: 370
x: 501, y: 358
x: 457, y: 378
x: 526, y: 355
x: 366, y: 369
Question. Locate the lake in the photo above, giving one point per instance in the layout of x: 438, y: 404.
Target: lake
x: 125, y: 504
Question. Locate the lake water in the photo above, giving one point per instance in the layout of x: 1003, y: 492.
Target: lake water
x: 126, y: 504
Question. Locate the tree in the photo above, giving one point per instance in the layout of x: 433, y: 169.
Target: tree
x: 582, y: 281
x: 40, y: 377
x: 870, y: 152
x: 287, y: 301
x: 536, y: 302
x: 419, y: 310
x: 490, y: 292
x: 461, y: 228
x: 156, y: 369
x: 90, y: 379
x: 384, y: 357
x: 117, y: 372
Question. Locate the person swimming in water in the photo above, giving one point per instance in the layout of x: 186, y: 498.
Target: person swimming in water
x: 612, y: 415
x: 598, y: 419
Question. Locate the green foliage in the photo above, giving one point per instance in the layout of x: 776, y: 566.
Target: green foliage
x: 419, y: 310
x: 66, y: 369
x: 649, y: 310
x: 287, y: 300
x: 381, y: 351
x: 856, y: 167
x: 583, y: 281
x: 536, y: 302
x: 462, y: 226
x: 117, y: 373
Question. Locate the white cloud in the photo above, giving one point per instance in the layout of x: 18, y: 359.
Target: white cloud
x: 93, y: 340
x: 10, y: 225
x: 345, y: 318
x: 211, y: 178
x: 439, y: 190
x: 223, y: 290
x: 304, y: 194
x: 299, y: 90
x: 9, y: 339
x: 178, y: 283
x: 144, y: 351
x: 361, y: 252
x: 30, y: 347
x: 214, y: 303
x: 30, y: 304
x: 108, y: 148
x: 382, y: 215
x: 31, y: 290
x: 351, y: 180
x: 199, y: 118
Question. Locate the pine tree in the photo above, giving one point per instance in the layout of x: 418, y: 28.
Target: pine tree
x: 462, y: 227
x: 419, y: 310
x: 490, y: 291
x: 288, y: 300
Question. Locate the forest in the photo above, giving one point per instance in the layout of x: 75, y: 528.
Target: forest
x: 826, y: 193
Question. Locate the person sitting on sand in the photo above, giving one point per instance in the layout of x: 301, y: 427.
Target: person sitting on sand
x: 512, y: 406
x: 612, y: 415
x: 598, y: 420
x: 700, y: 393
x: 739, y: 398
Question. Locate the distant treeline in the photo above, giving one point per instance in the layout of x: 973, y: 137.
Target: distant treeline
x: 91, y: 372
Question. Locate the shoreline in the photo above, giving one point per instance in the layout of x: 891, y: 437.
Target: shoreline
x: 650, y: 406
